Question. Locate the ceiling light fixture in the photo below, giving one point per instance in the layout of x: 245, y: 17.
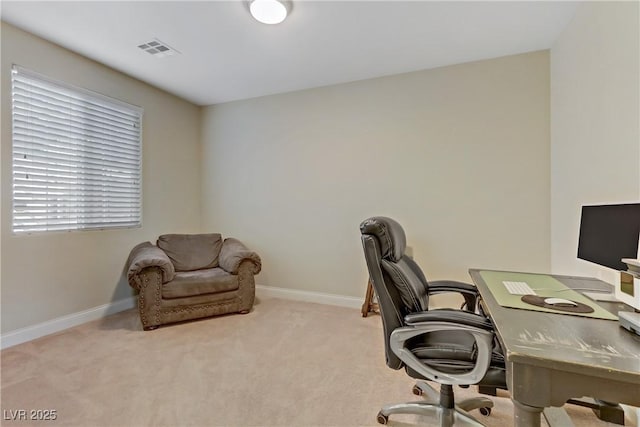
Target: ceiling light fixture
x: 269, y: 11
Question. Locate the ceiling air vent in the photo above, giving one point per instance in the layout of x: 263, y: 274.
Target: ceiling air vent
x: 158, y: 49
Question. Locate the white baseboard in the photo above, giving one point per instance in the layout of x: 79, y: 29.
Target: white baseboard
x: 308, y: 296
x: 632, y: 413
x: 65, y: 322
x: 29, y: 333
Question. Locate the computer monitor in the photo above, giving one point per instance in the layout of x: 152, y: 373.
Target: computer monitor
x: 609, y: 233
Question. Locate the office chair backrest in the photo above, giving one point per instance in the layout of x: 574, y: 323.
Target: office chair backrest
x: 399, y: 283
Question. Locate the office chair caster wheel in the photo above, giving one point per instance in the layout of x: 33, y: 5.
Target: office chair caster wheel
x: 416, y: 390
x: 485, y: 411
x: 382, y: 418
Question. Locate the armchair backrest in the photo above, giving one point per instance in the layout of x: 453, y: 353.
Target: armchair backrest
x: 400, y: 285
x: 190, y: 252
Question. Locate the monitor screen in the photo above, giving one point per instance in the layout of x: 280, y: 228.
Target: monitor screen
x: 609, y: 233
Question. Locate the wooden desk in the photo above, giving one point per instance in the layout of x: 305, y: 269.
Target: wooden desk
x: 552, y: 357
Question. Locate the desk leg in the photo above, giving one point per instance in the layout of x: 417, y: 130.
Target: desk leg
x: 526, y: 416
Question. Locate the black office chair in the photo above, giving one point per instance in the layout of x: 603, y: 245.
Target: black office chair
x: 447, y: 346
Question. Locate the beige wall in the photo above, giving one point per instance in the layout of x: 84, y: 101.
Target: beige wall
x: 595, y: 122
x: 459, y: 155
x: 48, y: 275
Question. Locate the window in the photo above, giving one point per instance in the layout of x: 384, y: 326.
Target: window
x: 76, y: 157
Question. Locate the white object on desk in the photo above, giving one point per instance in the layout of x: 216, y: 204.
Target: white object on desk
x: 560, y: 301
x: 518, y: 288
x: 601, y: 296
x: 630, y: 321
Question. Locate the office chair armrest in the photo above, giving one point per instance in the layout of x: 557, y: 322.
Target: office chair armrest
x: 449, y: 315
x: 445, y: 320
x: 452, y: 286
x: 468, y: 291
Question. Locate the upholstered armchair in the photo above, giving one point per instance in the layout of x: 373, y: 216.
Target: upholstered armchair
x: 190, y: 276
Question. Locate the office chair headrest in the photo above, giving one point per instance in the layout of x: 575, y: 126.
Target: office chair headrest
x: 393, y: 241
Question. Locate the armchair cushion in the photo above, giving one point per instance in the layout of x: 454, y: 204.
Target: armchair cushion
x: 190, y: 252
x: 147, y: 255
x: 200, y: 282
x: 234, y: 252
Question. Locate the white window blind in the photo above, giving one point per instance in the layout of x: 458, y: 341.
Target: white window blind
x: 76, y: 157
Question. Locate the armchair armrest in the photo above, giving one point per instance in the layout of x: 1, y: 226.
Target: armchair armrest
x: 233, y: 252
x: 146, y: 255
x: 445, y: 320
x: 468, y: 291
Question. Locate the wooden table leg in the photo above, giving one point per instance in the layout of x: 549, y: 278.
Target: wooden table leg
x: 368, y: 305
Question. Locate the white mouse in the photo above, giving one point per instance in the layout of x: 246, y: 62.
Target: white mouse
x: 560, y: 301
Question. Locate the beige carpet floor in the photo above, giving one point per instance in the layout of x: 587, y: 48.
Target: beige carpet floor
x: 285, y: 364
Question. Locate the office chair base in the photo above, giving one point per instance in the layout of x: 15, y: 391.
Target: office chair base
x: 447, y: 417
x: 423, y: 388
x: 434, y: 405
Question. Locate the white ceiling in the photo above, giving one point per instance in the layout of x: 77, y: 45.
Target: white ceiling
x: 226, y: 55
